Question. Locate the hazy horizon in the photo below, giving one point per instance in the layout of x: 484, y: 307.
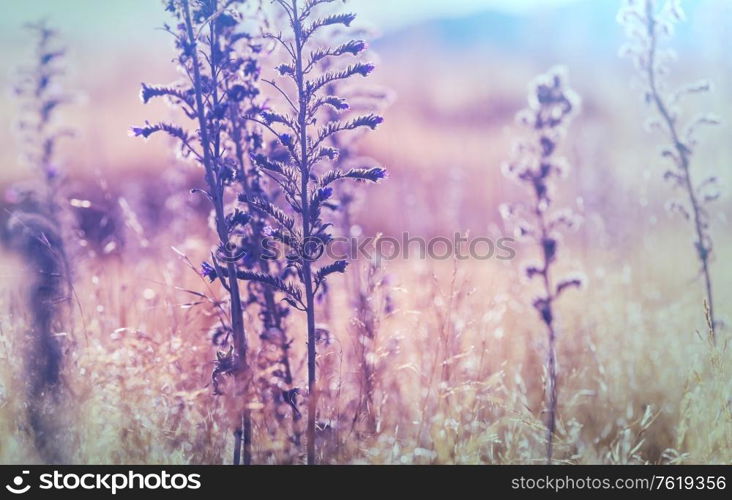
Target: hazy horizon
x: 144, y: 15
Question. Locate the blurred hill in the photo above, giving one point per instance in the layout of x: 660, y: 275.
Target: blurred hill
x: 458, y: 81
x: 579, y: 30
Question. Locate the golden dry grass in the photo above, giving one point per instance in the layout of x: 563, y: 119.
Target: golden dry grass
x: 459, y: 362
x: 459, y: 366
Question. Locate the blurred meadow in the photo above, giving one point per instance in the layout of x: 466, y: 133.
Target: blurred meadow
x: 451, y: 352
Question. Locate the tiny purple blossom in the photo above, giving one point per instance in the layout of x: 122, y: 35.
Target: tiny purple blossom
x: 207, y: 271
x: 365, y: 69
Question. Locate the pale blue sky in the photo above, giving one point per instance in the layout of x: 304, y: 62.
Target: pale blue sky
x: 86, y: 18
x: 389, y: 14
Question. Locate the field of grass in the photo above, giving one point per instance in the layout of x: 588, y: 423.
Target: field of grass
x: 420, y: 361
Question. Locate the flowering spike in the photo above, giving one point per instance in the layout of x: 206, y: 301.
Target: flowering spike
x: 551, y: 106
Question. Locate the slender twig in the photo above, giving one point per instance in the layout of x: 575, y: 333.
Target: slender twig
x: 551, y: 106
x: 646, y: 25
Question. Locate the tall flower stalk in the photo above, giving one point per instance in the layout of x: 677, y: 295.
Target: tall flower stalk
x: 36, y: 230
x: 303, y: 129
x: 248, y: 143
x: 535, y: 166
x: 215, y: 57
x: 648, y: 23
x: 40, y: 98
x: 40, y: 95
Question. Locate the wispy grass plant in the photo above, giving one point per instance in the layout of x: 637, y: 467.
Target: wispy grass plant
x: 536, y: 166
x: 648, y: 24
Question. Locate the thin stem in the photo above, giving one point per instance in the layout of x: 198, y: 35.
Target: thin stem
x: 237, y: 313
x: 684, y: 162
x: 305, y: 201
x: 551, y: 362
x: 282, y: 93
x: 552, y: 391
x: 237, y: 446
